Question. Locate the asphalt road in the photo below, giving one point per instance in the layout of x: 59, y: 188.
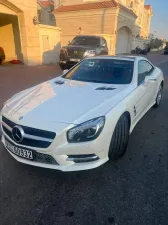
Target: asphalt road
x: 132, y: 191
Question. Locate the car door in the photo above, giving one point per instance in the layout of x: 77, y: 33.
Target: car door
x: 145, y: 90
x: 149, y: 80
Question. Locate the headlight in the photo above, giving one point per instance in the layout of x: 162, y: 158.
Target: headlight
x: 90, y: 53
x: 87, y: 131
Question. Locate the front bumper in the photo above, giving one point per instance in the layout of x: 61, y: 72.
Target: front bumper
x: 68, y: 158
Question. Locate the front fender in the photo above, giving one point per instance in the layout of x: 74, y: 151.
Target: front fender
x: 113, y: 116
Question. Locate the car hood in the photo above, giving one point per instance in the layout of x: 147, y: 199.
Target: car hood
x: 65, y: 101
x: 80, y: 47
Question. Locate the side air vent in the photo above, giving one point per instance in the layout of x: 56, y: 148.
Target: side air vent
x: 105, y: 88
x: 59, y: 82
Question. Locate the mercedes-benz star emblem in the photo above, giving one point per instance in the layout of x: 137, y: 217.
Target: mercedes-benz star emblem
x: 18, y: 134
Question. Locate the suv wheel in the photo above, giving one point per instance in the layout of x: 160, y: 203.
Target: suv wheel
x: 62, y: 66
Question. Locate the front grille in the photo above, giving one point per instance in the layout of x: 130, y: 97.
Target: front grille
x: 44, y: 158
x: 39, y: 157
x: 75, y: 54
x: 33, y: 137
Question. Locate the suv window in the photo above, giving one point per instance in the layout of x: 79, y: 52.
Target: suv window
x: 104, y: 42
x: 144, y: 69
x: 86, y: 40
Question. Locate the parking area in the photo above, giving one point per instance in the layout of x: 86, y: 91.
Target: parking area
x: 131, y: 191
x: 15, y: 78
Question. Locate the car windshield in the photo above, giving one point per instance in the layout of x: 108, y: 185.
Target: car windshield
x: 108, y: 71
x: 89, y: 41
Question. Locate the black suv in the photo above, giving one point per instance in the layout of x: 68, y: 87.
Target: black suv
x: 81, y: 47
x: 166, y: 50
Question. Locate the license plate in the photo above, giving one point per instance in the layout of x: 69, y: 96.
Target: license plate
x: 75, y: 60
x: 27, y: 154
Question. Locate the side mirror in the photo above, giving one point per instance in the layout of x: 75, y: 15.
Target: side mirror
x: 69, y: 42
x: 103, y: 45
x: 65, y: 71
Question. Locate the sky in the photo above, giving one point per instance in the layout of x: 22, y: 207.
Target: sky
x: 159, y: 23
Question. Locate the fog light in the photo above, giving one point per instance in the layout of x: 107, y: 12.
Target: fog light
x: 82, y: 158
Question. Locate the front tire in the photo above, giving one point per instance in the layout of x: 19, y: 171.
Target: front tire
x: 120, y: 138
x: 159, y: 97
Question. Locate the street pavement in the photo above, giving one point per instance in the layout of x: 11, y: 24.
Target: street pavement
x: 131, y: 191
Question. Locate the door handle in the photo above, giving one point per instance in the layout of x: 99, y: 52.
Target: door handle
x: 152, y: 79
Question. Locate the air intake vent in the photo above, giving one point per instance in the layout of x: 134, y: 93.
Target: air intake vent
x: 105, y: 88
x: 59, y: 82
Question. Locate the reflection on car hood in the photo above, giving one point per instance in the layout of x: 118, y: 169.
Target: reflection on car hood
x: 67, y: 102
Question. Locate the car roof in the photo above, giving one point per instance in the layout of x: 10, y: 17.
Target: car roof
x: 92, y: 36
x: 120, y: 57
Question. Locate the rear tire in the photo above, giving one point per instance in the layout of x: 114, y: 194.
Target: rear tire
x: 159, y: 97
x: 120, y: 138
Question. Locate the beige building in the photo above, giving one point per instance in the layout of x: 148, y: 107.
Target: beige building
x: 124, y: 23
x: 23, y: 38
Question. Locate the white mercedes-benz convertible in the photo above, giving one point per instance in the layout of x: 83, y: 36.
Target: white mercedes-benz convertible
x: 83, y: 118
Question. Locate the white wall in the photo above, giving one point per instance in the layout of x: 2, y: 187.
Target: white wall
x: 49, y: 44
x: 139, y: 42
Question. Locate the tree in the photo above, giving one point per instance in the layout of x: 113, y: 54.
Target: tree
x: 155, y: 43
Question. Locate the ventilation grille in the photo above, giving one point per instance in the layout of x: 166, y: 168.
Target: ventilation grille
x: 105, y: 88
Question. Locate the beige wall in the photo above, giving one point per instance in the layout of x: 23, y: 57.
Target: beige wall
x: 90, y: 21
x: 49, y: 44
x: 125, y: 26
x: 126, y: 19
x: 105, y: 22
x: 72, y: 2
x: 145, y: 27
x: 75, y: 2
x: 142, y: 21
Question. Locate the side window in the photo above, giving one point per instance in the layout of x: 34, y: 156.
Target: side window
x: 104, y: 43
x: 144, y: 69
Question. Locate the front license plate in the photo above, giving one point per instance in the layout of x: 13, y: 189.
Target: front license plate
x: 27, y: 154
x: 75, y: 60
